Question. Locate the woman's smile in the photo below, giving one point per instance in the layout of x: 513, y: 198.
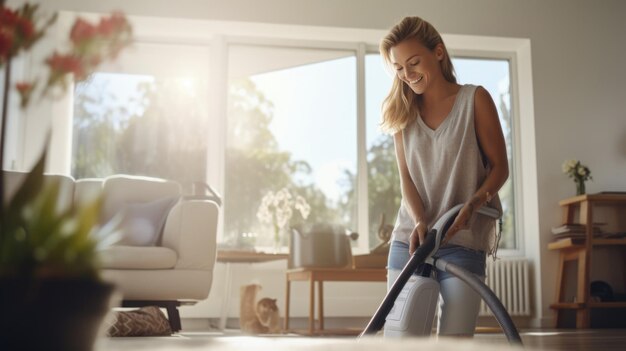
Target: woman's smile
x: 419, y: 79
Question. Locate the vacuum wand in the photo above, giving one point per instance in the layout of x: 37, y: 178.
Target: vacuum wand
x: 419, y: 256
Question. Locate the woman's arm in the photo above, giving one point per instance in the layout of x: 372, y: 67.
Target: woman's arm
x: 491, y: 141
x: 410, y: 196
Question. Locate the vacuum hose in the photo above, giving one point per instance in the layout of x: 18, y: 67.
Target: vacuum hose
x: 492, y: 301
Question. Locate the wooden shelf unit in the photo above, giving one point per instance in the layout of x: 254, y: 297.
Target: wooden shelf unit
x: 580, y: 250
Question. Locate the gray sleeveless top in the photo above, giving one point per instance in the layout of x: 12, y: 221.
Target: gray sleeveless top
x: 447, y: 167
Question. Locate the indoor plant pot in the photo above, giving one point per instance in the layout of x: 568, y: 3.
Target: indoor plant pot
x: 52, y: 313
x: 51, y: 295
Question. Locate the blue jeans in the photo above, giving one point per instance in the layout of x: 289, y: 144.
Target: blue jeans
x: 472, y: 260
x: 458, y: 303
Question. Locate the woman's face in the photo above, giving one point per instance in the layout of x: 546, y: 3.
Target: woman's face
x: 416, y: 65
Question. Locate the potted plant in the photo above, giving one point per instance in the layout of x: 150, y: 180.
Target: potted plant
x: 50, y: 292
x: 51, y: 295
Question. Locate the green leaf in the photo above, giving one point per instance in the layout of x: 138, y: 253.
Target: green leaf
x: 42, y: 238
x: 28, y: 191
x: 12, y: 249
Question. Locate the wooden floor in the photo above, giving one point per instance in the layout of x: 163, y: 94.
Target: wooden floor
x: 557, y: 339
x: 567, y: 339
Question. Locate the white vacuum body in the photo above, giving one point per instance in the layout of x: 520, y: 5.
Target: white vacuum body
x: 413, y: 312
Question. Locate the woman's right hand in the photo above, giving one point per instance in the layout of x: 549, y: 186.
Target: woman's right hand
x: 417, y: 236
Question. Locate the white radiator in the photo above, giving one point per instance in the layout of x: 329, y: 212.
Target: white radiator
x: 508, y: 278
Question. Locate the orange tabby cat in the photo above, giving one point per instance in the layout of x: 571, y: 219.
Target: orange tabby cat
x: 267, y: 310
x: 260, y: 317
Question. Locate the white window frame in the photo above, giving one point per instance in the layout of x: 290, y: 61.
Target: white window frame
x: 219, y: 34
x: 358, y: 48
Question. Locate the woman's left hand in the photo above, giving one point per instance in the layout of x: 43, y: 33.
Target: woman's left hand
x: 462, y: 221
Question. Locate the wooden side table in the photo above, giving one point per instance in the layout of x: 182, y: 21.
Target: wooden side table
x: 320, y: 275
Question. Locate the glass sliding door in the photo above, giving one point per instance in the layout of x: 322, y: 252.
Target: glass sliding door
x: 291, y: 126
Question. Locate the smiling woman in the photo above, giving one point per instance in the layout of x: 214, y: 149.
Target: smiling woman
x: 494, y: 74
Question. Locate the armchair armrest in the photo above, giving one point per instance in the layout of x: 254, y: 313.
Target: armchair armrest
x: 191, y: 231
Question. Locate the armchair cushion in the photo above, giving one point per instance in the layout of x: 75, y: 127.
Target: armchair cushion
x: 123, y: 189
x: 142, y: 223
x: 133, y: 257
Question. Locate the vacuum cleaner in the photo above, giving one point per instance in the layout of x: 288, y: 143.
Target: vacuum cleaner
x: 408, y: 309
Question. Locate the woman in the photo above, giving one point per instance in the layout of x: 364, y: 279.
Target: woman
x: 450, y: 150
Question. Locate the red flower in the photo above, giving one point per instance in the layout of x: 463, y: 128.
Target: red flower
x: 17, y: 29
x: 8, y: 18
x: 82, y: 31
x: 24, y: 87
x: 116, y: 23
x: 62, y: 64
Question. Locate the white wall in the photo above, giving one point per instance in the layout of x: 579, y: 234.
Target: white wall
x: 578, y: 53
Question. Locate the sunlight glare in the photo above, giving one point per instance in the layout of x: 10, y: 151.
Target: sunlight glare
x: 188, y: 86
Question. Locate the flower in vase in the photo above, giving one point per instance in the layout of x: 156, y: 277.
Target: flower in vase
x: 579, y: 172
x: 277, y: 209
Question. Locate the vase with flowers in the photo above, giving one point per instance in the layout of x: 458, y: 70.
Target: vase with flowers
x: 51, y: 295
x: 579, y: 172
x: 277, y: 209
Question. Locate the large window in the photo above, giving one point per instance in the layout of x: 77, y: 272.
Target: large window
x: 284, y: 115
x: 291, y: 125
x: 143, y: 117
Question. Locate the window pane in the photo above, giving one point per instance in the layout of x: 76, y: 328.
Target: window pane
x: 144, y: 118
x: 291, y: 124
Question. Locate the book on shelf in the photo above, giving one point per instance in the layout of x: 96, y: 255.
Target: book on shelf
x: 567, y: 241
x: 569, y: 235
x: 617, y: 235
x: 576, y: 228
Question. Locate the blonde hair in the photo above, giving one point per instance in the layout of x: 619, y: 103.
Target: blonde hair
x: 400, y: 106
